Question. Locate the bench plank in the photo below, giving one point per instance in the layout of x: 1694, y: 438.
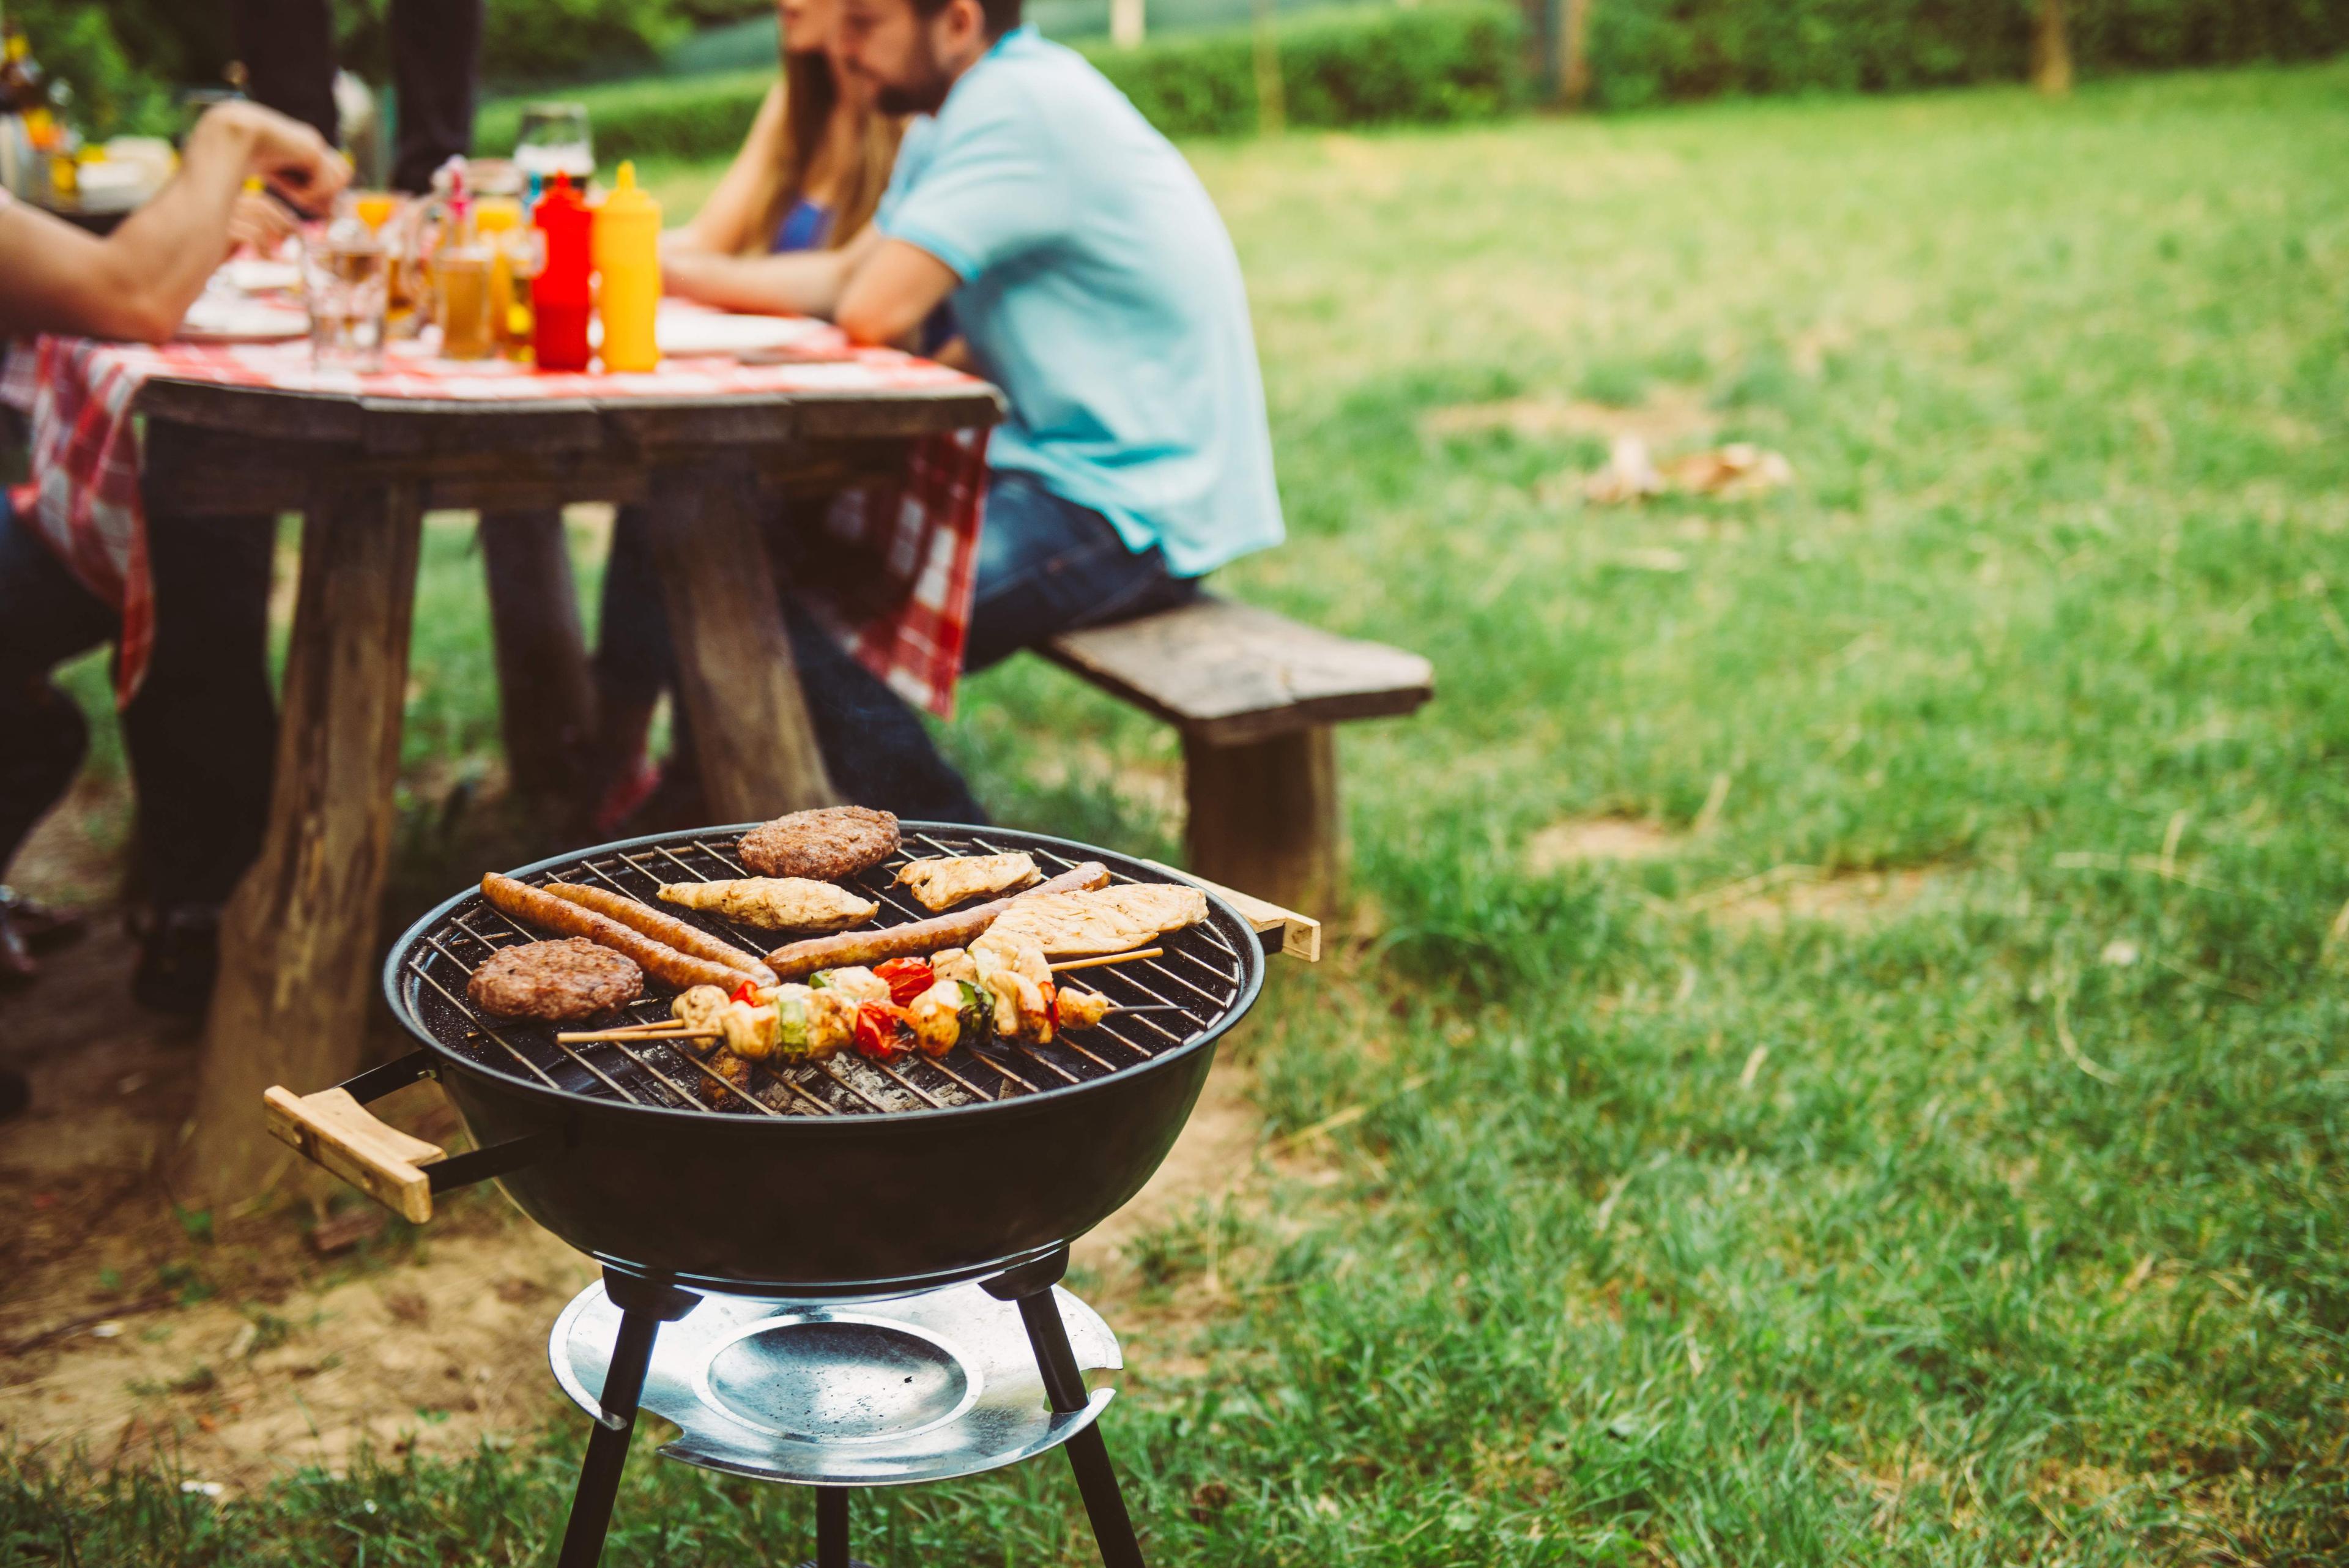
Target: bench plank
x: 1228, y: 674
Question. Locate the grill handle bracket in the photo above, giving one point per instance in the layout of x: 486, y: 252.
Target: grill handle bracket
x: 335, y: 1130
x: 1278, y: 929
x: 332, y: 1129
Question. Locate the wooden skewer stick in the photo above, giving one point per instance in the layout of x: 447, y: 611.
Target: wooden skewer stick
x: 592, y: 1036
x: 1113, y: 957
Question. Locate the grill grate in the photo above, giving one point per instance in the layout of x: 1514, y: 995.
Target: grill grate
x: 1204, y: 975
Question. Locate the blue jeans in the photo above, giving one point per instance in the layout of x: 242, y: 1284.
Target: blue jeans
x: 1045, y: 566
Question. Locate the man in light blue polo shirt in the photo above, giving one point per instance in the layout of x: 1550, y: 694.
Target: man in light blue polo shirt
x: 1092, y: 279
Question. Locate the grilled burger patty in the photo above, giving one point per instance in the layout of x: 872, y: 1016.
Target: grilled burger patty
x: 559, y: 981
x: 823, y: 845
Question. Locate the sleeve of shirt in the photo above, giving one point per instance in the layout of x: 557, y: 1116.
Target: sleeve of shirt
x: 989, y: 190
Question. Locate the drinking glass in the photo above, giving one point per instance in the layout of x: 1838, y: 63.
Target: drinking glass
x: 554, y: 141
x: 346, y: 276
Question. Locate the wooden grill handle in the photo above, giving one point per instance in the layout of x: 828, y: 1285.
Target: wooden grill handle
x: 1300, y: 935
x: 332, y: 1129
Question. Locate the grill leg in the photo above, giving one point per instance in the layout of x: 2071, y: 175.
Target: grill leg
x: 644, y: 1307
x: 831, y: 1528
x: 1030, y: 1287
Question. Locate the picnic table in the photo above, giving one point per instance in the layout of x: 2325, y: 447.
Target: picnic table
x: 707, y: 445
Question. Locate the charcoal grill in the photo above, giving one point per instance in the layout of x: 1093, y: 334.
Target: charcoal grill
x: 824, y: 1184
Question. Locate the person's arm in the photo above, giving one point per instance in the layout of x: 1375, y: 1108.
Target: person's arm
x: 991, y: 189
x: 887, y: 298
x: 138, y: 282
x: 798, y: 282
x: 723, y: 226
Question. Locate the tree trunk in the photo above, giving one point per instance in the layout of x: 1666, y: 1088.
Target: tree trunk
x: 1574, y: 55
x: 1272, y: 104
x: 1126, y: 24
x: 2050, y: 51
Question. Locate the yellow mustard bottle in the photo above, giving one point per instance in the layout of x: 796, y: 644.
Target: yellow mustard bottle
x: 626, y: 246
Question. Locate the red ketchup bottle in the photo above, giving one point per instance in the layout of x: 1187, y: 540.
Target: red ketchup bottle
x: 561, y: 297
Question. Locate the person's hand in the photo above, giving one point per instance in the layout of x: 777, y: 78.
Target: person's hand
x: 260, y: 223
x: 293, y: 158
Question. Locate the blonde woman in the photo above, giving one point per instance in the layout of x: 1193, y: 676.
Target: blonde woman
x: 807, y: 178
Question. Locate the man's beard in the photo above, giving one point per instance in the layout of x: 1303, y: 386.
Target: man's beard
x: 923, y: 94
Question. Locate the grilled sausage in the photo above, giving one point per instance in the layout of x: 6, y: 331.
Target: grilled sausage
x: 658, y: 959
x: 663, y: 929
x: 959, y: 929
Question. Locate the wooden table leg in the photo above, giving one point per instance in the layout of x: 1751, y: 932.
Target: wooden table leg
x: 297, y: 942
x: 547, y: 701
x: 758, y: 751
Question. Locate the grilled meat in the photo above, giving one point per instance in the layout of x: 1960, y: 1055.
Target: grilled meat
x: 1079, y: 1009
x: 559, y: 981
x: 777, y: 903
x: 1014, y: 971
x: 917, y: 936
x: 826, y: 845
x: 936, y: 1016
x: 663, y: 929
x: 855, y: 982
x: 663, y: 963
x: 1102, y: 920
x: 943, y: 882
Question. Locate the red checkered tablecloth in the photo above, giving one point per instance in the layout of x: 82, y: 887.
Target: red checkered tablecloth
x: 907, y: 624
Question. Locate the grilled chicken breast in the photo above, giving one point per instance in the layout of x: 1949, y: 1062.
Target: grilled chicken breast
x: 944, y: 881
x: 1104, y: 920
x: 775, y: 903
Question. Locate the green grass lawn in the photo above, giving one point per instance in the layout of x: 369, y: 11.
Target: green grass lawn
x: 1985, y: 1203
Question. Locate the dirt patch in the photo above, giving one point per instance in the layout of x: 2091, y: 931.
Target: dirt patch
x: 1668, y: 419
x: 1852, y: 900
x: 1580, y: 840
x: 1214, y: 1154
x: 435, y: 1355
x: 133, y: 1328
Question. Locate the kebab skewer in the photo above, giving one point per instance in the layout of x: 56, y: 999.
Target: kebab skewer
x: 1001, y: 990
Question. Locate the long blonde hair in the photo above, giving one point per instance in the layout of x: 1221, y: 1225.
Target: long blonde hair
x: 811, y: 93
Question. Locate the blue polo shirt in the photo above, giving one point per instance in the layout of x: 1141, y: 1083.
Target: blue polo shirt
x: 1100, y: 292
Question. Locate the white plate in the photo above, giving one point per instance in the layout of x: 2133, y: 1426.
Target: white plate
x: 686, y: 333
x: 257, y: 274
x: 212, y: 319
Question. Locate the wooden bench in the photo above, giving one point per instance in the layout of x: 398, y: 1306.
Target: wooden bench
x: 1256, y: 697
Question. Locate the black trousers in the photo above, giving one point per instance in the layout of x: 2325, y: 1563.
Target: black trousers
x: 288, y: 50
x: 202, y: 731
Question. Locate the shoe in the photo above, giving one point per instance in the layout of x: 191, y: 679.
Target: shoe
x: 179, y: 960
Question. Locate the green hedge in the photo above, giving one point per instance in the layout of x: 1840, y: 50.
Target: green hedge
x: 1355, y: 66
x: 1646, y: 51
x: 672, y: 117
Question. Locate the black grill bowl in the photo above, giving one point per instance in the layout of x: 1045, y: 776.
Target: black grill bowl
x: 836, y: 1200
